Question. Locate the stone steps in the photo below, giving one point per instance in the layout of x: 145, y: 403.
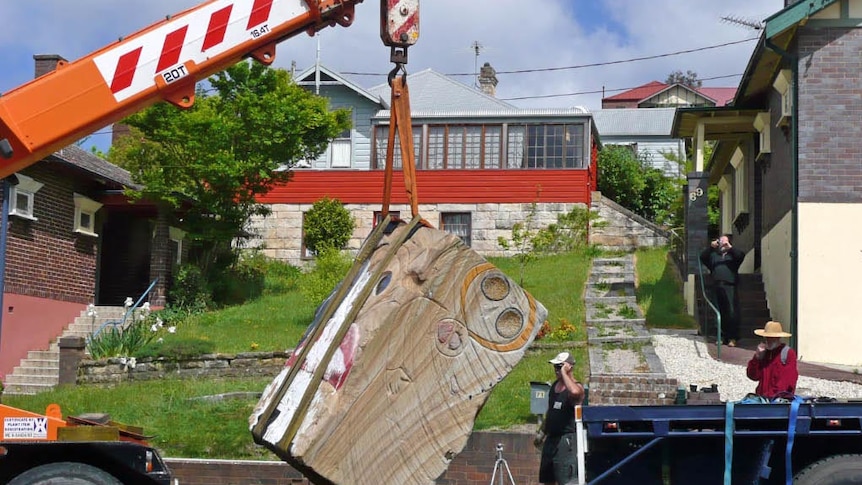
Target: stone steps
x: 40, y: 370
x: 624, y: 368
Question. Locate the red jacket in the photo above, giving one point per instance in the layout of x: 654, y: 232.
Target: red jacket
x: 773, y: 376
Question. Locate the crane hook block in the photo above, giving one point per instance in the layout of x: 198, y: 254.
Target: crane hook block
x: 399, y: 22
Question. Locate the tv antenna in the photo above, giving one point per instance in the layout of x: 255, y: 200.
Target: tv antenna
x: 743, y: 22
x: 477, y: 48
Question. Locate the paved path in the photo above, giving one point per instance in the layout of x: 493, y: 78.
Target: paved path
x: 742, y: 354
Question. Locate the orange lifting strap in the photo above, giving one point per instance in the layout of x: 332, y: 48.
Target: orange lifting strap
x: 399, y: 121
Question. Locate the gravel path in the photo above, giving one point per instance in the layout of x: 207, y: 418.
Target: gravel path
x: 686, y: 358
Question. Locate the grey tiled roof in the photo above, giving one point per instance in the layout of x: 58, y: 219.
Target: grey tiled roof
x: 430, y: 90
x: 634, y: 121
x: 84, y: 160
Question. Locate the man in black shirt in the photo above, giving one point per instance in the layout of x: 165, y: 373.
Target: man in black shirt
x: 559, y: 452
x: 723, y: 261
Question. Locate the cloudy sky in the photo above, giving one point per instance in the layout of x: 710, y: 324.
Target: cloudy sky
x: 540, y: 48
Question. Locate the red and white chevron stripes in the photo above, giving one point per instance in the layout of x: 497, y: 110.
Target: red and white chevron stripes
x: 132, y: 66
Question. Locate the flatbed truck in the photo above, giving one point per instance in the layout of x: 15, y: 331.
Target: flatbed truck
x: 803, y: 441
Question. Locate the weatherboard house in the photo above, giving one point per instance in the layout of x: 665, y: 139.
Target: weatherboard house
x: 787, y: 164
x: 481, y: 164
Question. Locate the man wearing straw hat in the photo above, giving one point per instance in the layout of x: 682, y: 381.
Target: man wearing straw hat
x: 773, y: 365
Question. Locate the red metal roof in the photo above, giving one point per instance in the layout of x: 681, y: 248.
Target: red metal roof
x: 638, y: 93
x: 721, y: 96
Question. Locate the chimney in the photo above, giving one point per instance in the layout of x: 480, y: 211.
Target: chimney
x: 488, y: 80
x: 46, y: 63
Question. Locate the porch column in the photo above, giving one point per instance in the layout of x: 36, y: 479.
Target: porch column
x: 696, y: 227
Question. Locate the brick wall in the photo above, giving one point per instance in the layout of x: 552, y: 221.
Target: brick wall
x: 830, y: 100
x: 474, y: 465
x: 45, y: 258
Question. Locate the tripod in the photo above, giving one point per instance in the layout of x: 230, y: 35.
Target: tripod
x: 500, y: 465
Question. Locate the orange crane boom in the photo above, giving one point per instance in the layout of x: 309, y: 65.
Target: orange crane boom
x: 161, y: 62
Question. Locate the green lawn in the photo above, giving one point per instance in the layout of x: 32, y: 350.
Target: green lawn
x: 186, y: 427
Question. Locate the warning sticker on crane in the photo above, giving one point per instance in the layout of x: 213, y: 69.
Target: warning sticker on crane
x: 25, y: 428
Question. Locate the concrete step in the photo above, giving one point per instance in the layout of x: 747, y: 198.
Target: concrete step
x: 44, y: 355
x: 27, y: 389
x: 29, y: 370
x: 40, y: 363
x: 25, y: 379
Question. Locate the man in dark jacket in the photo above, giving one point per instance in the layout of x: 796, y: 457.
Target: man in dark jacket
x: 723, y: 261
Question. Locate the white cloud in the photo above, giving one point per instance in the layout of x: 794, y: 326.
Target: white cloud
x: 515, y: 35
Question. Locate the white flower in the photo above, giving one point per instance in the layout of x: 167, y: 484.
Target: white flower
x: 132, y: 363
x: 154, y: 328
x: 146, y: 306
x: 141, y: 316
x: 129, y: 302
x: 123, y: 360
x: 172, y: 329
x: 91, y: 310
x: 160, y: 340
x: 160, y: 322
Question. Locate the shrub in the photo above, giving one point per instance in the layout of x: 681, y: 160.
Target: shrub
x: 330, y: 267
x: 328, y: 224
x: 242, y: 281
x: 189, y: 289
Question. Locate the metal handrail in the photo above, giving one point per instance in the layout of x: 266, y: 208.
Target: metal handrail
x: 131, y: 310
x: 714, y: 309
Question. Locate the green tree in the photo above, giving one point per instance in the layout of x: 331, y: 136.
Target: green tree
x: 621, y: 176
x: 213, y: 159
x: 689, y: 79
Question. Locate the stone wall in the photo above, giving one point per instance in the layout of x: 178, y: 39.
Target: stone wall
x: 248, y: 364
x: 622, y: 228
x: 279, y: 234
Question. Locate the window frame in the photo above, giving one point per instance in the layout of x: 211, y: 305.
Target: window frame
x: 469, y: 225
x: 27, y: 187
x: 85, y: 206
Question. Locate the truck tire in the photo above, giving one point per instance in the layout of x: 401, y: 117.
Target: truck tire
x: 65, y: 473
x: 834, y: 470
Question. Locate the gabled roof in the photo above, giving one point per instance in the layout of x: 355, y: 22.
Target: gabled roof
x: 638, y: 93
x: 330, y: 77
x: 720, y: 96
x: 96, y: 167
x: 430, y: 90
x: 634, y: 121
x: 792, y: 15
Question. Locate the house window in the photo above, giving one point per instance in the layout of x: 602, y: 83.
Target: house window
x: 436, y: 147
x: 381, y: 142
x: 85, y: 215
x: 340, y: 150
x: 761, y: 124
x: 784, y: 85
x: 726, y: 205
x: 176, y: 237
x: 304, y: 252
x: 457, y: 223
x: 21, y: 197
x: 378, y: 216
x: 740, y: 183
x: 553, y: 146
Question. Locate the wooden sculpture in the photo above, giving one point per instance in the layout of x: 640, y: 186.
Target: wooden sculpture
x: 387, y: 381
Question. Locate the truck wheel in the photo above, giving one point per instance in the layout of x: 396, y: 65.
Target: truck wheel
x: 65, y: 473
x: 834, y: 470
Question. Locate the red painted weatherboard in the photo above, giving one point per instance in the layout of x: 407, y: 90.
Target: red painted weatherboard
x: 436, y: 186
